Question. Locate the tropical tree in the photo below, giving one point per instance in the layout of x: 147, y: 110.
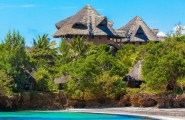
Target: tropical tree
x: 14, y: 60
x: 128, y: 55
x: 163, y: 65
x: 44, y: 80
x: 178, y: 31
x: 44, y: 54
x: 65, y: 51
x: 5, y: 83
x: 79, y: 46
x: 43, y: 51
x: 108, y: 86
x: 86, y: 74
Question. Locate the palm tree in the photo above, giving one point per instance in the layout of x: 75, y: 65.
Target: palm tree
x: 79, y: 46
x: 43, y: 49
x: 43, y: 42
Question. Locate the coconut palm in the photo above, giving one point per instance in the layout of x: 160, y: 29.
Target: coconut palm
x: 79, y: 46
x: 43, y: 50
x: 43, y: 42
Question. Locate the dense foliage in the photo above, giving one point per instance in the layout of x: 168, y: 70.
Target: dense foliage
x: 14, y: 60
x: 94, y: 71
x: 164, y: 63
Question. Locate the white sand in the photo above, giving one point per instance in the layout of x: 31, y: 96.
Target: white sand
x: 164, y: 114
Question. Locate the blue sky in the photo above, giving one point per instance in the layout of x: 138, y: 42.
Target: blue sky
x: 33, y: 17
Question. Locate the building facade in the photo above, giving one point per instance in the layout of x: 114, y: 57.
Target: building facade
x: 97, y: 29
x: 89, y: 24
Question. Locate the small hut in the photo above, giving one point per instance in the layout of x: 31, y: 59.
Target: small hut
x: 137, y: 32
x: 133, y: 78
x: 89, y: 24
x: 61, y: 80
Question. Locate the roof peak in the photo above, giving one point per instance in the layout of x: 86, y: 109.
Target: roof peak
x: 87, y: 21
x: 132, y: 27
x: 137, y: 18
x: 88, y: 6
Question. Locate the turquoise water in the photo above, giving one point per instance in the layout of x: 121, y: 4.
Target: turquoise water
x: 36, y: 115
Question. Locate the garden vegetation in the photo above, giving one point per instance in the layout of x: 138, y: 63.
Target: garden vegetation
x: 94, y: 71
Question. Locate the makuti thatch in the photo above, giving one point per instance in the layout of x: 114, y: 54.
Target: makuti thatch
x: 62, y: 79
x: 133, y: 78
x: 85, y: 22
x: 135, y: 72
x: 137, y: 30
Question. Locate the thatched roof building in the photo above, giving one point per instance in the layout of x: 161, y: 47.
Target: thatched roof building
x: 93, y: 27
x: 85, y: 22
x: 135, y: 72
x: 89, y: 24
x: 134, y: 76
x: 61, y: 80
x: 136, y: 30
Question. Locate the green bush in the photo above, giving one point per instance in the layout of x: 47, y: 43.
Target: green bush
x: 44, y: 81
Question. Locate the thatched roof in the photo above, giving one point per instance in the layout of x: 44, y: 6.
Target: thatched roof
x: 62, y: 79
x: 135, y: 73
x: 85, y: 22
x: 132, y: 28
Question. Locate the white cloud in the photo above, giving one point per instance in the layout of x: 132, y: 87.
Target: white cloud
x: 161, y: 33
x: 17, y: 6
x: 176, y: 27
x: 183, y: 32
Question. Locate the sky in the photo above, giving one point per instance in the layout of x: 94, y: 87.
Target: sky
x: 37, y: 17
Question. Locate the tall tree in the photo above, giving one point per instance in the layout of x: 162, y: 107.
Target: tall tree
x: 5, y: 83
x: 44, y: 55
x: 79, y: 46
x: 43, y: 51
x: 163, y: 65
x: 127, y: 56
x: 86, y: 74
x: 14, y: 60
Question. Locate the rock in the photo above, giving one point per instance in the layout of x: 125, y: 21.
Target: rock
x: 8, y: 103
x: 110, y: 103
x: 80, y: 104
x: 124, y: 101
x: 93, y: 103
x: 72, y: 103
x: 55, y: 101
x: 143, y: 100
x: 179, y: 101
x: 164, y: 100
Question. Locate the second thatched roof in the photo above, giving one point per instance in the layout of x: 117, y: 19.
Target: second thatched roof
x: 130, y: 30
x: 62, y: 79
x: 135, y: 72
x: 85, y: 22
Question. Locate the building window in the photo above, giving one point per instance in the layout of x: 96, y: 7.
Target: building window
x: 140, y: 43
x: 99, y: 36
x: 133, y: 43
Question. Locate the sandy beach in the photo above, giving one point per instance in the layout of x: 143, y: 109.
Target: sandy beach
x: 156, y: 113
